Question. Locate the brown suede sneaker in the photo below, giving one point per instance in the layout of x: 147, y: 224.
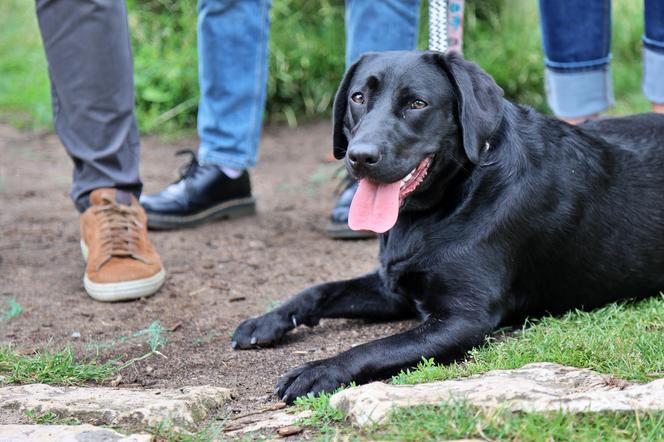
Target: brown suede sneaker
x: 121, y: 264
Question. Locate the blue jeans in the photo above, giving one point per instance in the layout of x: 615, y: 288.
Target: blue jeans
x: 576, y: 35
x: 232, y: 71
x: 232, y: 50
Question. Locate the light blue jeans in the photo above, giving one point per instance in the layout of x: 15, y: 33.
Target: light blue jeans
x: 576, y: 35
x: 233, y: 57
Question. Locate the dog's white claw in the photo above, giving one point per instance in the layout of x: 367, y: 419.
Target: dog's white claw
x: 253, y: 340
x: 233, y: 344
x: 294, y: 319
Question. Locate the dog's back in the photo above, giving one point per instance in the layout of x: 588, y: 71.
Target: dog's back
x: 641, y: 133
x: 610, y: 244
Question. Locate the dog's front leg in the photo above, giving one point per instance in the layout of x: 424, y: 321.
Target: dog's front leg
x: 364, y: 297
x: 445, y: 339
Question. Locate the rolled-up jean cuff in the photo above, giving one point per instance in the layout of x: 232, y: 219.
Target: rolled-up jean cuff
x: 235, y: 160
x: 653, y: 76
x: 577, y: 94
x: 653, y: 45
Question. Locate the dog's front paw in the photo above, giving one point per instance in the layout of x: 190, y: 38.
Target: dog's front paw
x: 315, y: 377
x: 263, y: 331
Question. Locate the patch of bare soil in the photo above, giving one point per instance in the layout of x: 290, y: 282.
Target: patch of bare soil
x: 219, y: 274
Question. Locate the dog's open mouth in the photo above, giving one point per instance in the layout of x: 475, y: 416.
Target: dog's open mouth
x: 414, y: 178
x: 376, y: 206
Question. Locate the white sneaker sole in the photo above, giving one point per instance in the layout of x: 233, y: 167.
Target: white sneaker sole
x: 122, y: 291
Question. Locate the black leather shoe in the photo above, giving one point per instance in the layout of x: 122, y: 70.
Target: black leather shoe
x: 203, y: 193
x: 338, y: 228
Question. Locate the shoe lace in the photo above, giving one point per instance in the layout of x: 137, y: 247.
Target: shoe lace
x: 120, y: 231
x: 189, y: 169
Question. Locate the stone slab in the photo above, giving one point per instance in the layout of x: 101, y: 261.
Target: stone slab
x: 533, y: 388
x: 66, y: 433
x: 264, y: 422
x: 121, y: 407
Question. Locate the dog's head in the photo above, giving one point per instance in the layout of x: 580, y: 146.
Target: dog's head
x: 400, y: 118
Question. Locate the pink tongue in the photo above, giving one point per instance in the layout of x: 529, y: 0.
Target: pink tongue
x: 375, y: 206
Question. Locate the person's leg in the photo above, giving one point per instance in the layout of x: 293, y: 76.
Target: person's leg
x: 233, y: 58
x: 90, y: 66
x: 388, y: 25
x: 576, y: 36
x: 653, y: 54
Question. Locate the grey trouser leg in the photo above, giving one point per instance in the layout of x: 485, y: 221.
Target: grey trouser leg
x: 91, y: 71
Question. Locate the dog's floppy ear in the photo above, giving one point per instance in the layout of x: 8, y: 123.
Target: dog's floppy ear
x: 480, y: 101
x: 339, y: 139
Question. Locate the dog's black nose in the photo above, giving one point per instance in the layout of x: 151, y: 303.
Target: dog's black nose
x: 363, y: 155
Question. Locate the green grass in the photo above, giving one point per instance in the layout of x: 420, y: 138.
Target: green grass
x: 461, y: 421
x: 63, y: 367
x: 323, y: 417
x: 24, y: 90
x: 46, y: 367
x: 163, y: 34
x: 167, y: 432
x: 306, y: 58
x: 624, y: 340
x: 153, y: 336
x: 50, y: 418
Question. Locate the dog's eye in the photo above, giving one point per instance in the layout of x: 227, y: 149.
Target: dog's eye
x: 418, y: 104
x: 358, y: 97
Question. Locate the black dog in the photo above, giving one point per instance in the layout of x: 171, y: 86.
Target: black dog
x: 503, y: 214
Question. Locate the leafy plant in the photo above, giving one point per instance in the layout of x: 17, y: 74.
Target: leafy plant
x: 46, y: 367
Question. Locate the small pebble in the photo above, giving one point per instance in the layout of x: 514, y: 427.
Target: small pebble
x: 276, y: 406
x: 304, y: 352
x: 290, y: 430
x: 76, y: 335
x: 256, y: 245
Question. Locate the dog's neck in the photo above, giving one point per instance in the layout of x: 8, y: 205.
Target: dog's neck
x: 444, y: 189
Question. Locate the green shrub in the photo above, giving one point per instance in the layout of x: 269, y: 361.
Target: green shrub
x: 165, y: 62
x: 306, y: 58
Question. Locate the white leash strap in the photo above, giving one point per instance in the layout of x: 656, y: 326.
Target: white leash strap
x: 438, y: 25
x: 445, y: 25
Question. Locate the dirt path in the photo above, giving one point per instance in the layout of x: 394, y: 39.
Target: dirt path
x: 219, y: 274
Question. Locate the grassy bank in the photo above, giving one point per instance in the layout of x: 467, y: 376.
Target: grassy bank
x: 621, y: 340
